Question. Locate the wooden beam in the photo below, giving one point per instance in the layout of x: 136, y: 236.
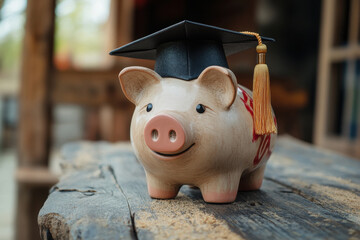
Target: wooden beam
x: 89, y: 88
x: 36, y: 176
x: 351, y: 52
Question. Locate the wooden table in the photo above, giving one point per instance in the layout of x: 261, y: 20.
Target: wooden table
x: 308, y: 193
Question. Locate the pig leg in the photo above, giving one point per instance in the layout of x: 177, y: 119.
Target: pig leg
x: 222, y: 188
x: 253, y: 180
x: 159, y: 189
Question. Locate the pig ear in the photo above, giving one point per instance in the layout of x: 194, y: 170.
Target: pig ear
x: 134, y: 80
x: 221, y: 82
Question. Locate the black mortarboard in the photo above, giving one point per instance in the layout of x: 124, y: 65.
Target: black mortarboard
x: 185, y: 49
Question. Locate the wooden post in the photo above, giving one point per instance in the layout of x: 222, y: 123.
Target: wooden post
x: 34, y: 115
x: 121, y: 27
x: 35, y: 80
x: 323, y: 76
x: 124, y: 21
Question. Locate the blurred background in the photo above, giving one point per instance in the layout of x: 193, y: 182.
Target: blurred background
x: 58, y: 83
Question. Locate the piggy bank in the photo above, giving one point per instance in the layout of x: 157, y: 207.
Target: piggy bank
x: 197, y: 132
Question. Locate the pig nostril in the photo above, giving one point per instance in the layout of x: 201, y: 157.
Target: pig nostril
x: 172, y: 136
x: 154, y: 135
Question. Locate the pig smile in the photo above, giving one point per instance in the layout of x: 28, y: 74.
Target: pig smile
x: 175, y: 154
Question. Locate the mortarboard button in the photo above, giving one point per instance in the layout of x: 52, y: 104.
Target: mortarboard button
x: 185, y: 49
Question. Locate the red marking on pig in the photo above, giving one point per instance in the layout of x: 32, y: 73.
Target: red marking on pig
x: 264, y: 149
x: 255, y: 136
x: 264, y: 146
x: 275, y: 121
x: 249, y: 105
x: 247, y: 100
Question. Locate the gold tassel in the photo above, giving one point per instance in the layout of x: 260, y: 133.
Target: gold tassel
x: 263, y: 117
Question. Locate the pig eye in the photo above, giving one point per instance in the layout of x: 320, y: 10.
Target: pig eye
x: 200, y: 108
x: 149, y: 107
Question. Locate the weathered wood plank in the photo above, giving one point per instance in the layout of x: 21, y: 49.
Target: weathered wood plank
x: 133, y: 184
x: 278, y: 211
x: 321, y: 176
x: 275, y: 211
x: 86, y: 204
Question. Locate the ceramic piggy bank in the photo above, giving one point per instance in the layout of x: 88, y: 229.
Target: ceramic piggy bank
x: 195, y: 126
x: 197, y: 132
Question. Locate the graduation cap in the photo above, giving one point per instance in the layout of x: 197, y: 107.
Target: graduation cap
x: 185, y: 49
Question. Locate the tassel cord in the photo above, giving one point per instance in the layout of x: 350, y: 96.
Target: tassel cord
x: 263, y: 118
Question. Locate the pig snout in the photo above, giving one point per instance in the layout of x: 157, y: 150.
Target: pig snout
x: 164, y: 134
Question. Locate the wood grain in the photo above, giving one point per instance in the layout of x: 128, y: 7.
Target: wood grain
x: 329, y: 179
x: 87, y: 205
x: 106, y: 181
